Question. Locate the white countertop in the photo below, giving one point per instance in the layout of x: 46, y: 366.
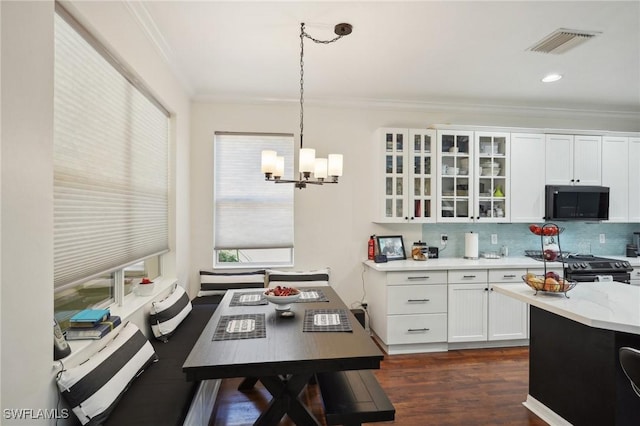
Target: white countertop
x: 610, y: 306
x: 447, y: 263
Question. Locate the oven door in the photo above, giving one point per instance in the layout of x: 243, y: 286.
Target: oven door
x: 621, y: 277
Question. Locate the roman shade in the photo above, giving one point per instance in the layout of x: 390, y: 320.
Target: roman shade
x: 110, y: 162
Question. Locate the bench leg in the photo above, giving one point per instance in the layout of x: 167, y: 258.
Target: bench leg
x: 285, y: 401
x: 248, y: 383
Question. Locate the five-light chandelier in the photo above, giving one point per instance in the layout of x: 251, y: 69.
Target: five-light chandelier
x: 324, y: 170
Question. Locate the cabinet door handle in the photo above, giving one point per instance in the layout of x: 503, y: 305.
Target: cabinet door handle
x: 418, y: 278
x: 418, y: 300
x: 419, y: 330
x: 468, y: 276
x: 486, y: 289
x: 508, y: 276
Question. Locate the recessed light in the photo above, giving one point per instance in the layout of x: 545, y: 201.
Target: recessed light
x: 551, y: 78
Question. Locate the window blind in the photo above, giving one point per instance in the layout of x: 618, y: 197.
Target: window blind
x: 110, y: 164
x: 250, y: 213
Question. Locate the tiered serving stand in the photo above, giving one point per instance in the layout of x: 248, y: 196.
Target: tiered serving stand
x: 537, y: 282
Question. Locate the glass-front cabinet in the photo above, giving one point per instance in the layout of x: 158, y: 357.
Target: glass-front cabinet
x: 473, y: 172
x: 492, y: 177
x: 455, y: 176
x: 407, y: 182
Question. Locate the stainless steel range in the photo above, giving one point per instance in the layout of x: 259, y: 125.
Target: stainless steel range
x: 586, y: 268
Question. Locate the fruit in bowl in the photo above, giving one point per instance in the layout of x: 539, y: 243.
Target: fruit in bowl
x: 282, y: 297
x: 550, y: 282
x: 550, y: 255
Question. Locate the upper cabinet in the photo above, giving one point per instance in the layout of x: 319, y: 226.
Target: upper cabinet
x: 527, y: 177
x: 634, y: 179
x: 406, y: 176
x: 573, y: 160
x: 473, y: 176
x: 615, y: 175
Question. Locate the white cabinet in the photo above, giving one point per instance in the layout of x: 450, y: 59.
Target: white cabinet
x: 634, y: 180
x: 455, y: 182
x: 468, y: 306
x: 615, y: 175
x: 406, y: 184
x: 491, y: 177
x: 473, y: 176
x: 635, y: 276
x: 508, y: 317
x: 408, y: 310
x: 573, y: 160
x: 527, y: 177
x: 478, y: 314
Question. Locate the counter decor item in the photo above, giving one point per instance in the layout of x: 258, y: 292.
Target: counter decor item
x: 550, y: 282
x: 470, y: 245
x: 391, y: 246
x: 419, y: 251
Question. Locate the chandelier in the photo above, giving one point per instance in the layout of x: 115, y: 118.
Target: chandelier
x: 324, y: 170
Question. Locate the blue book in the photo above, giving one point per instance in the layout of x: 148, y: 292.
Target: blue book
x: 89, y: 317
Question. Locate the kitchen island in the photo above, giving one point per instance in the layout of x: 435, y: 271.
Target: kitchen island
x: 574, y: 370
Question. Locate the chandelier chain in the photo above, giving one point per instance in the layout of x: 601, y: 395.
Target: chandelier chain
x: 304, y: 34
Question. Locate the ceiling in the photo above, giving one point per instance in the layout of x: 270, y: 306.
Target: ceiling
x: 416, y: 52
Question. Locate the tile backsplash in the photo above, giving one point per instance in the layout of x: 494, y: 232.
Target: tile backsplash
x: 578, y: 237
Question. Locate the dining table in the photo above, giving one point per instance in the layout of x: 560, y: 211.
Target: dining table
x: 248, y: 338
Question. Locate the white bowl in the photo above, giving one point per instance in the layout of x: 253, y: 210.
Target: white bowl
x: 283, y: 303
x: 494, y: 171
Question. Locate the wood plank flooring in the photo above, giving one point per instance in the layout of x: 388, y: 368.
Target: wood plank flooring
x: 462, y: 387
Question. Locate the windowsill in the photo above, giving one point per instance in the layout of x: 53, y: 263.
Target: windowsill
x: 131, y: 304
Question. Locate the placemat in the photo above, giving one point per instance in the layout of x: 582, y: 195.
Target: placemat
x: 248, y: 299
x: 245, y: 326
x: 311, y: 295
x: 326, y: 320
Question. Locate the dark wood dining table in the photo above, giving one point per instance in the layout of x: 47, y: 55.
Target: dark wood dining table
x: 286, y: 358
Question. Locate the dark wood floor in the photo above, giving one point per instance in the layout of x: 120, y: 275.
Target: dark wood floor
x: 467, y: 387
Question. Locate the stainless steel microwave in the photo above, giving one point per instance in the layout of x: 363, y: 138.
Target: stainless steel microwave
x: 566, y: 202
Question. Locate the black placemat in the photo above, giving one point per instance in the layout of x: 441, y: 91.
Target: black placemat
x: 245, y: 326
x: 248, y: 299
x: 326, y: 320
x: 311, y: 295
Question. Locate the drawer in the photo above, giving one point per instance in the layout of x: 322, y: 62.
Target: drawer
x: 417, y: 299
x: 417, y: 277
x: 468, y: 276
x: 425, y: 328
x: 506, y: 275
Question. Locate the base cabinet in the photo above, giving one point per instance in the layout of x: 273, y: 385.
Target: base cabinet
x: 478, y: 314
x: 635, y: 276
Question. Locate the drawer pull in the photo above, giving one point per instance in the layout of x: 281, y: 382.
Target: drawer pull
x: 468, y: 276
x: 418, y: 278
x: 418, y: 300
x: 420, y: 330
x: 508, y: 276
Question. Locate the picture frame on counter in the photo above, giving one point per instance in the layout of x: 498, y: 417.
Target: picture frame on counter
x: 391, y: 246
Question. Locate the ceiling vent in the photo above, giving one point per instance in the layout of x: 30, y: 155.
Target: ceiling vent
x: 562, y: 40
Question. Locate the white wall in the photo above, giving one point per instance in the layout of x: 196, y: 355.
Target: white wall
x: 26, y: 310
x: 333, y: 222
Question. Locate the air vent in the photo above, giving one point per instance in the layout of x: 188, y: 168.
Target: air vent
x: 562, y: 40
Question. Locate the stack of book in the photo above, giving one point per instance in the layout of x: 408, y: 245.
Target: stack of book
x: 91, y: 324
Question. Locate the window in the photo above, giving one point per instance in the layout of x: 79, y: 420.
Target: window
x: 253, y: 219
x: 110, y: 174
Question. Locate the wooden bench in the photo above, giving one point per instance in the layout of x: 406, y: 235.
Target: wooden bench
x: 354, y: 397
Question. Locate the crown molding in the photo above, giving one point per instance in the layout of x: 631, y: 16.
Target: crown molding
x: 424, y: 106
x: 144, y: 20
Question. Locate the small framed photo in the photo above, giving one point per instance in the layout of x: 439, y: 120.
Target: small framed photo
x: 391, y: 246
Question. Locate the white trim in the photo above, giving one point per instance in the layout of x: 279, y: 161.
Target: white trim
x: 544, y: 412
x: 202, y: 403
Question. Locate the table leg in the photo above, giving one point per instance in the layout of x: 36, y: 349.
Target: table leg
x: 248, y: 383
x: 285, y: 400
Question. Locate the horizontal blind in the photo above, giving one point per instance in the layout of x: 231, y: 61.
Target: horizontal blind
x: 250, y: 213
x: 110, y: 165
